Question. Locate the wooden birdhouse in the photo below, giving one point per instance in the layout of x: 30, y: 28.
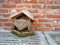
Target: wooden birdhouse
x: 22, y: 24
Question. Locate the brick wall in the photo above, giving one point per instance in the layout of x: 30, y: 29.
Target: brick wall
x: 45, y: 12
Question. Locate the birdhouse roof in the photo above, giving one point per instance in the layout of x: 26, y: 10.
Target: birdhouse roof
x: 27, y: 13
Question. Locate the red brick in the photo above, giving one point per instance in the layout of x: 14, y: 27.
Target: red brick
x: 39, y: 16
x: 35, y: 21
x: 7, y: 24
x: 33, y: 11
x: 22, y: 6
x: 2, y: 1
x: 0, y: 14
x: 4, y: 20
x: 6, y: 15
x: 8, y: 6
x: 44, y: 29
x: 18, y: 10
x: 57, y: 1
x: 42, y: 1
x: 56, y: 25
x: 14, y: 1
x: 6, y: 28
x: 39, y: 6
x: 53, y: 6
x: 46, y: 1
x: 58, y: 20
x: 49, y: 1
x: 3, y: 10
x: 43, y: 11
x: 53, y: 16
x: 36, y: 6
x: 0, y: 24
x: 49, y: 11
x: 56, y: 29
x: 57, y: 11
x: 45, y: 20
x: 30, y: 1
x: 38, y: 24
x: 48, y: 25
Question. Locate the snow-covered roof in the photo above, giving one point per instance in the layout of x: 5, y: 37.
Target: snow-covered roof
x: 27, y: 13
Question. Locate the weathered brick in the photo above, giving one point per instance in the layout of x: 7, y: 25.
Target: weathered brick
x: 6, y: 28
x: 18, y: 10
x: 57, y: 11
x: 49, y: 1
x: 24, y: 6
x: 33, y: 10
x: 14, y: 1
x: 7, y: 24
x: 39, y: 16
x: 56, y: 29
x: 39, y: 25
x: 3, y: 10
x: 56, y: 25
x: 6, y: 15
x: 53, y: 16
x: 0, y: 24
x: 57, y: 1
x: 45, y: 20
x: 44, y: 28
x: 48, y: 25
x: 3, y: 1
x: 30, y: 1
x: 39, y: 6
x: 42, y: 1
x: 8, y: 6
x: 4, y: 20
x: 53, y: 6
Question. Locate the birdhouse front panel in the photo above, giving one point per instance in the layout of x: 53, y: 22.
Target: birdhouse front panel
x: 21, y: 24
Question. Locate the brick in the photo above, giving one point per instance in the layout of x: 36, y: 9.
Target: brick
x: 7, y: 24
x: 0, y: 24
x: 56, y: 29
x: 6, y: 28
x: 33, y: 10
x: 57, y: 11
x: 39, y: 6
x: 14, y: 1
x: 36, y: 6
x: 3, y: 10
x: 42, y: 1
x: 4, y: 20
x: 18, y: 10
x: 49, y: 1
x: 44, y: 28
x: 24, y: 6
x: 45, y: 20
x: 46, y: 1
x: 56, y: 25
x: 6, y: 15
x: 8, y: 6
x: 30, y: 1
x: 53, y: 6
x: 57, y: 1
x: 48, y: 25
x: 38, y: 24
x: 53, y: 16
x: 43, y: 11
x: 39, y: 16
x: 2, y: 1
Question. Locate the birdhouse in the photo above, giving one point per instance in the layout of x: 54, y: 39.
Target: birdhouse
x: 22, y: 25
